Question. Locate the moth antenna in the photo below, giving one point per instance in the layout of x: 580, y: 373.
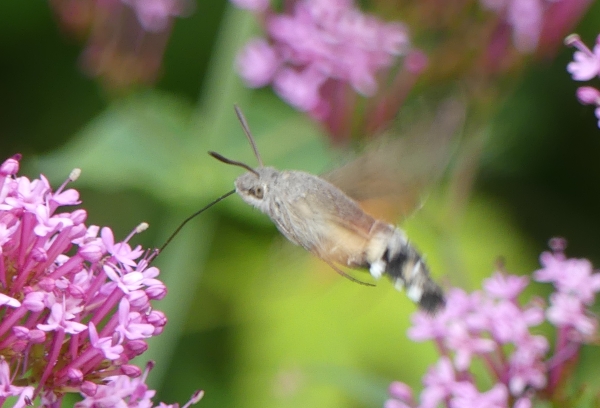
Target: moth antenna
x: 235, y: 163
x: 345, y: 275
x: 246, y: 128
x: 190, y: 218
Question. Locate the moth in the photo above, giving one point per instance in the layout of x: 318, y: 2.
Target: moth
x: 322, y: 215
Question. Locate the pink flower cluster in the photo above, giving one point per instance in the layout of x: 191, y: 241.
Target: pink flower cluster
x: 316, y: 51
x: 126, y: 39
x: 536, y: 25
x: 156, y: 15
x: 524, y: 17
x: 75, y: 304
x: 495, y: 328
x: 585, y: 66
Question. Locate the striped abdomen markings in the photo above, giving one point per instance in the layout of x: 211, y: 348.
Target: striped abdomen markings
x: 404, y: 266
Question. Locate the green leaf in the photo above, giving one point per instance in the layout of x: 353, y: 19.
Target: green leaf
x: 133, y: 144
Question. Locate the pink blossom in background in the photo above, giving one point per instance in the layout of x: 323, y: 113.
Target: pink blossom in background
x: 336, y: 40
x: 125, y: 39
x: 586, y: 63
x: 560, y: 18
x: 252, y: 5
x: 317, y: 49
x: 537, y: 24
x: 588, y: 95
x: 75, y: 301
x: 584, y: 67
x: 257, y: 63
x: 125, y: 391
x: 494, y: 327
x: 155, y: 15
x: 300, y: 89
x: 523, y: 16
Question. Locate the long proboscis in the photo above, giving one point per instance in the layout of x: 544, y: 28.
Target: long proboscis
x: 188, y: 219
x: 246, y: 128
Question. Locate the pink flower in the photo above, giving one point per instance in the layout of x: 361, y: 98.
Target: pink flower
x: 400, y: 390
x: 155, y: 15
x: 572, y: 276
x: 586, y: 64
x: 123, y: 391
x: 525, y: 17
x: 8, y: 301
x: 526, y: 373
x: 523, y: 402
x: 466, y: 344
x: 25, y: 194
x: 495, y: 329
x: 466, y: 395
x: 257, y: 63
x: 439, y: 383
x: 536, y: 25
x: 435, y: 327
x: 125, y: 39
x: 131, y: 324
x: 317, y: 51
x: 121, y: 250
x: 588, y: 95
x: 337, y: 40
x: 505, y: 286
x: 401, y: 396
x: 60, y: 319
x: 10, y: 166
x: 78, y: 319
x: 510, y: 323
x: 300, y: 89
x: 394, y: 403
x: 252, y: 5
x: 47, y: 223
x: 9, y: 390
x: 110, y: 349
x: 568, y: 311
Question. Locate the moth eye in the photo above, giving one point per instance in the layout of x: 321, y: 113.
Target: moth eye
x: 257, y: 192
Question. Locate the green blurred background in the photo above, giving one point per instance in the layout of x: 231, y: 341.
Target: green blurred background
x: 254, y: 321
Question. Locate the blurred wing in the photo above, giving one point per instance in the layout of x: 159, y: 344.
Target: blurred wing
x: 335, y: 229
x: 342, y: 244
x: 399, y: 169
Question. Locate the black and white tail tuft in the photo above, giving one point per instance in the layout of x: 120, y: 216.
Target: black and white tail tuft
x: 406, y: 269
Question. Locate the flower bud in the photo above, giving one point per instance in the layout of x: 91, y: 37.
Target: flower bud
x: 75, y: 375
x: 131, y: 371
x: 10, y: 166
x: 89, y: 388
x: 34, y: 301
x: 588, y: 95
x: 136, y: 347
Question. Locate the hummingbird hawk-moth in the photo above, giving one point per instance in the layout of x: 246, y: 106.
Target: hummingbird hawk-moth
x: 322, y: 215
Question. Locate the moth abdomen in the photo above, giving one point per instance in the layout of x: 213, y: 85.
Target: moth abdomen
x: 406, y: 269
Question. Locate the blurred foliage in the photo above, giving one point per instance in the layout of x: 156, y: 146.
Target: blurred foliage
x: 254, y: 321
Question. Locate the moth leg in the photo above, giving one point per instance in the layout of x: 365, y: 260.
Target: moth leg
x: 345, y: 275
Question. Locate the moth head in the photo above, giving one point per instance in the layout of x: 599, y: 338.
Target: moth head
x: 256, y: 190
x: 253, y: 186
